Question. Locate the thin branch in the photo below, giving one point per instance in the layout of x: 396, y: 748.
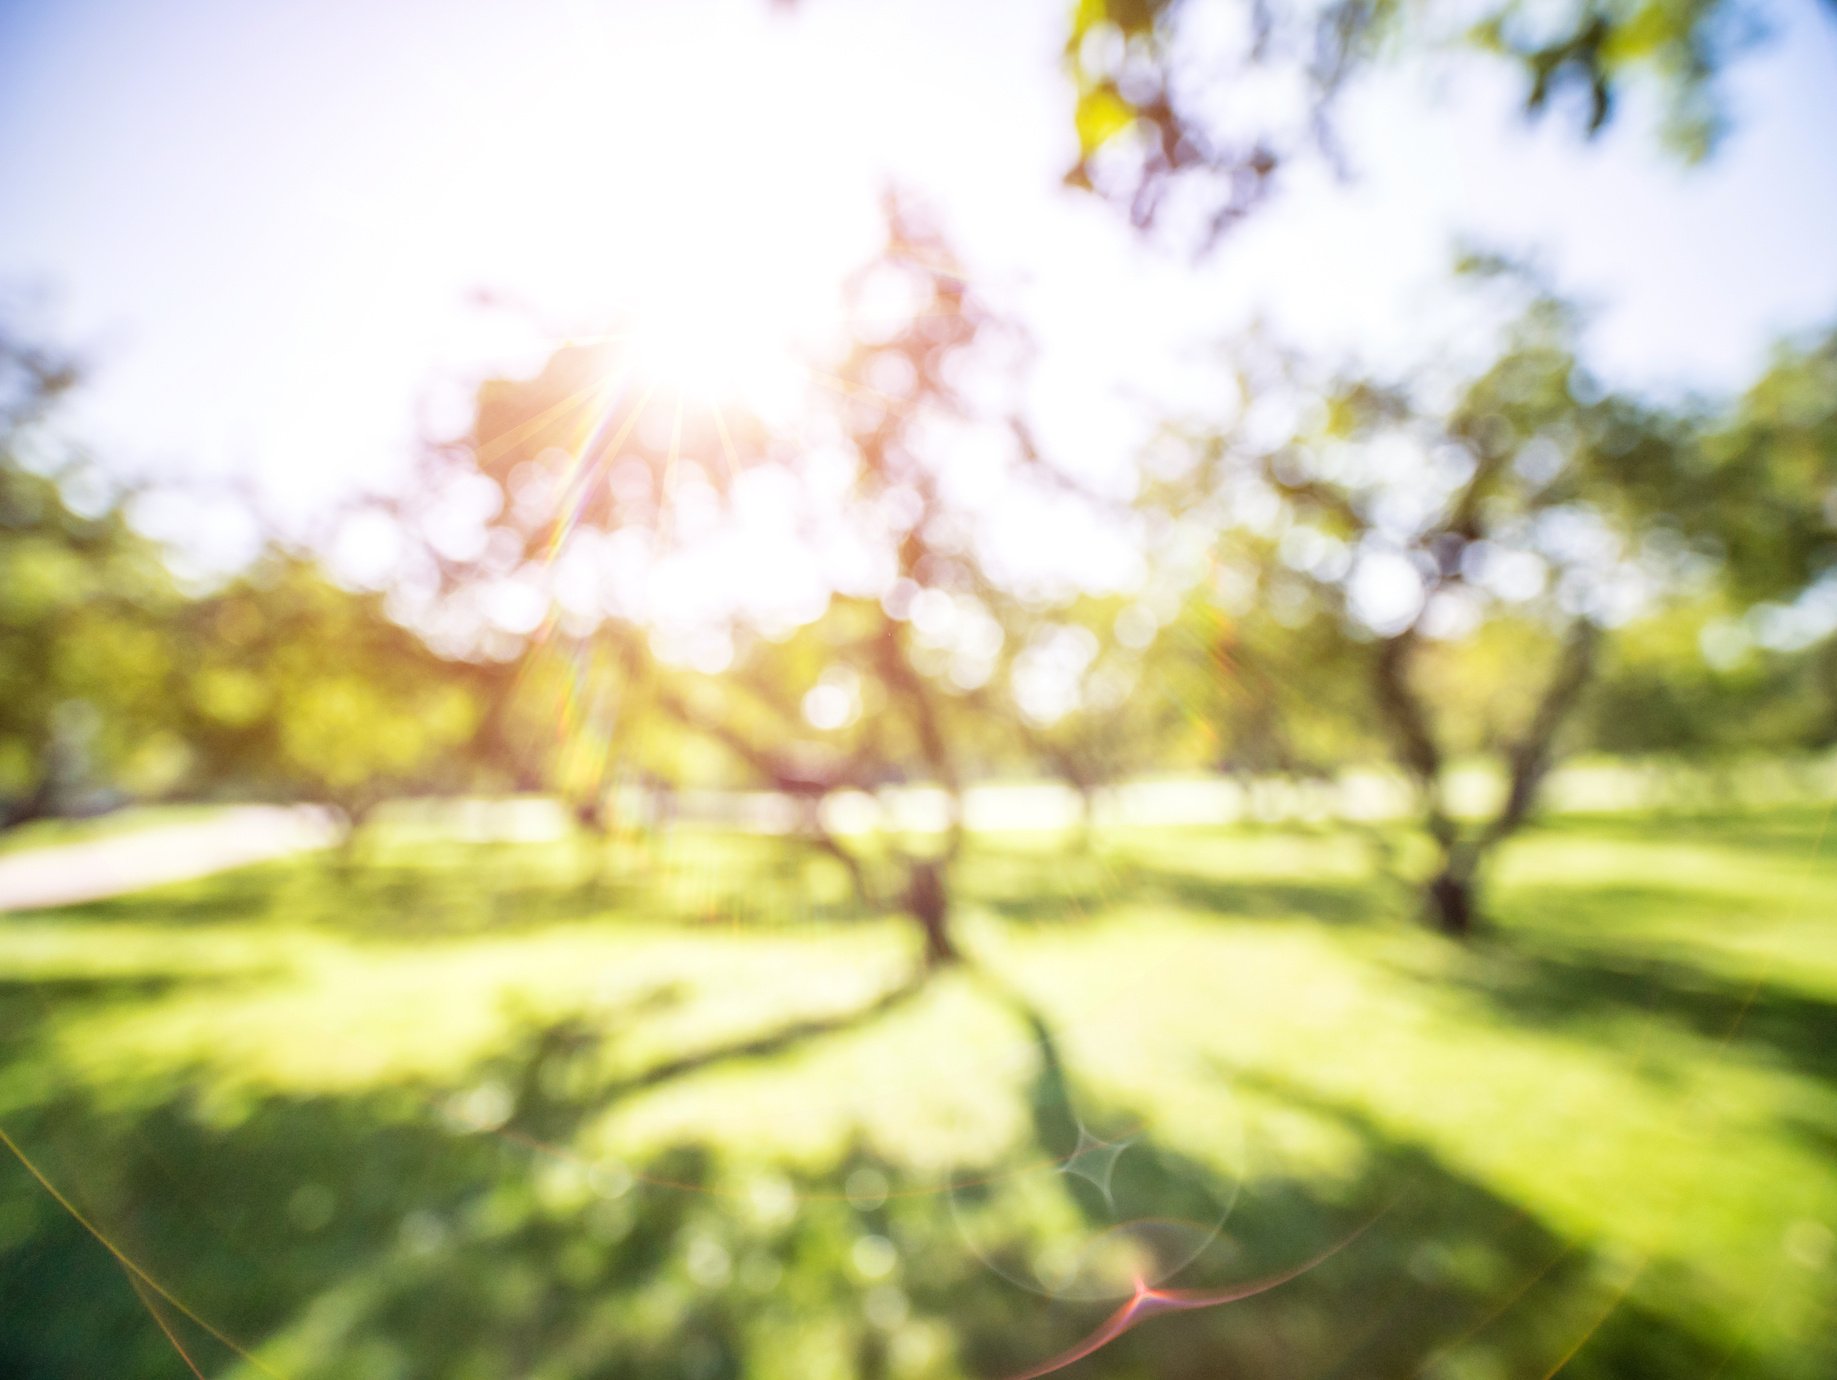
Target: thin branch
x: 784, y: 776
x: 1531, y: 756
x: 902, y: 676
x: 1412, y: 736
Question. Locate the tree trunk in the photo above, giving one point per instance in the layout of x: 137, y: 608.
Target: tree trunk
x: 36, y: 804
x: 929, y: 904
x: 352, y: 817
x: 1084, y: 835
x: 14, y: 813
x: 589, y: 816
x: 1451, y: 901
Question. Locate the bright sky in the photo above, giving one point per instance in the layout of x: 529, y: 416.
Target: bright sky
x: 264, y: 223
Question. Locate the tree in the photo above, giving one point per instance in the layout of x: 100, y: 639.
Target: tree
x: 290, y: 685
x: 1769, y: 498
x: 1701, y: 678
x: 1743, y: 658
x: 1192, y: 110
x: 822, y: 603
x: 85, y: 608
x: 1097, y: 691
x: 1463, y: 558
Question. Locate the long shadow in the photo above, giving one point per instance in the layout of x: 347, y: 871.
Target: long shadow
x: 370, y: 1234
x: 558, y: 1074
x: 496, y: 892
x: 30, y: 1007
x: 28, y: 1000
x: 441, y: 1243
x: 772, y: 1043
x: 1342, y: 904
x: 1797, y: 832
x: 1012, y: 888
x: 1550, y: 984
x: 446, y: 890
x: 352, y: 1235
x: 1420, y: 1269
x: 1483, y: 1281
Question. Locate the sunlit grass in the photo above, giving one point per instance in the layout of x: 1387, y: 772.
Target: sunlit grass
x: 1630, y: 1083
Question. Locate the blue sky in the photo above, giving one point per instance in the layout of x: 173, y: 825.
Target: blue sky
x: 262, y: 223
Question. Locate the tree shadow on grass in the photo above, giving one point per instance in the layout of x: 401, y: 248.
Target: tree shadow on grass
x: 432, y: 1231
x: 1404, y: 1267
x: 1580, y: 989
x: 1345, y: 903
x: 355, y: 1235
x: 1143, y: 884
x: 30, y: 1007
x: 389, y: 900
x: 27, y: 1001
x: 463, y: 891
x: 1792, y: 832
x: 412, y: 1229
x: 1458, y: 1280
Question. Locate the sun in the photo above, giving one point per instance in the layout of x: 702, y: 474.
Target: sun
x: 702, y: 213
x: 718, y: 244
x: 724, y: 321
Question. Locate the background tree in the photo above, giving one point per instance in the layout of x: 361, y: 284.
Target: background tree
x: 1744, y: 660
x: 86, y: 605
x: 1698, y: 680
x: 1465, y: 558
x: 293, y: 687
x: 1097, y: 692
x: 1191, y: 110
x: 1277, y: 691
x: 1769, y: 496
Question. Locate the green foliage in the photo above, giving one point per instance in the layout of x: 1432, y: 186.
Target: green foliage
x: 1742, y: 658
x: 292, y: 686
x: 1270, y: 687
x: 1160, y: 121
x: 1127, y: 709
x: 1660, y: 692
x: 115, y: 680
x: 84, y: 607
x: 908, y: 653
x: 1432, y: 576
x: 1769, y: 494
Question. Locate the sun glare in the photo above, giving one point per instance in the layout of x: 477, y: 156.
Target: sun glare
x: 714, y: 245
x: 725, y: 321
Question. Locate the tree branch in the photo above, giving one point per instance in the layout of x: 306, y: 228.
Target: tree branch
x: 1531, y: 756
x: 900, y: 674
x: 783, y: 776
x: 1412, y: 737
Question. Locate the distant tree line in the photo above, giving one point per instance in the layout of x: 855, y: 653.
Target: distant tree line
x: 1511, y: 565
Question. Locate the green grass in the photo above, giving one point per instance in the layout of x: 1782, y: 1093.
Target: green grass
x: 523, y: 1110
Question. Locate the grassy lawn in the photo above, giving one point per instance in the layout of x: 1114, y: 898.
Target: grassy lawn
x: 498, y: 1110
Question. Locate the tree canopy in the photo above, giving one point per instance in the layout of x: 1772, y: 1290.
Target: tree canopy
x: 1191, y: 111
x: 84, y: 604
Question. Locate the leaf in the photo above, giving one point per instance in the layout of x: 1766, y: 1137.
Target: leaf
x: 1102, y: 115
